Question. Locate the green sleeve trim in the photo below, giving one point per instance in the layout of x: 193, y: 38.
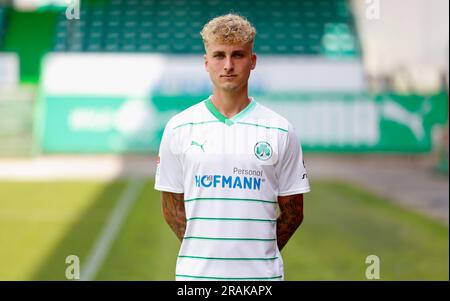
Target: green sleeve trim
x: 228, y: 278
x: 227, y: 258
x: 229, y: 199
x: 233, y: 219
x: 230, y: 238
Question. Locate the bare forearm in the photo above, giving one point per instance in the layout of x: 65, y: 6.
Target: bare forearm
x: 174, y: 212
x: 290, y: 218
x: 286, y: 227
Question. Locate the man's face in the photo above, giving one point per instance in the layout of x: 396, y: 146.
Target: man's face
x: 229, y: 66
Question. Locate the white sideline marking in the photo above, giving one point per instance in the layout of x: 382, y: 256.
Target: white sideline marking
x: 110, y: 230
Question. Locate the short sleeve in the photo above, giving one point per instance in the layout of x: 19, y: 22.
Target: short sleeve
x: 292, y: 175
x: 169, y: 168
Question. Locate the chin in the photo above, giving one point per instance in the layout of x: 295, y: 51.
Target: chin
x: 230, y: 87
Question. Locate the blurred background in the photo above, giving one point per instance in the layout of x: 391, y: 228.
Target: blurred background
x: 86, y: 88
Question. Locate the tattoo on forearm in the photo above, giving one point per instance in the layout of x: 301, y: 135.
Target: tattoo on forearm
x: 174, y: 212
x: 290, y: 218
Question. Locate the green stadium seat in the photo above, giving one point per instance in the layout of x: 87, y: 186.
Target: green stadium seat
x: 196, y: 48
x: 61, y: 43
x: 148, y: 3
x: 145, y: 48
x: 112, y: 47
x: 94, y: 47
x: 129, y: 47
x: 76, y: 47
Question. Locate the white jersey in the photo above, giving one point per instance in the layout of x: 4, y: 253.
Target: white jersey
x: 231, y: 171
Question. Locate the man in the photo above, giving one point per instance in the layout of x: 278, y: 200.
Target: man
x: 224, y: 166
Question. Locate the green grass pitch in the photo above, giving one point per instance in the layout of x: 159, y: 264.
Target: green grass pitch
x: 43, y: 222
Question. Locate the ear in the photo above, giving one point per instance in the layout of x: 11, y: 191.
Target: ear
x: 205, y: 57
x: 253, y: 61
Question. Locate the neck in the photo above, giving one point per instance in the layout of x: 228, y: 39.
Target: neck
x: 230, y: 103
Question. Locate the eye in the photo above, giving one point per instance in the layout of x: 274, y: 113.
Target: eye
x: 219, y: 55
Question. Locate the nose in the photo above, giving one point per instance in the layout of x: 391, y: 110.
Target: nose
x: 228, y: 65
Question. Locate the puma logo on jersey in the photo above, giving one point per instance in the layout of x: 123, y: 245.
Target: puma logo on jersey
x: 195, y: 143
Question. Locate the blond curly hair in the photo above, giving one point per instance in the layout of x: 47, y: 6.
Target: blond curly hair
x: 230, y: 29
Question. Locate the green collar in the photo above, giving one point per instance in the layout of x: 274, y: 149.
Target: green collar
x: 228, y: 121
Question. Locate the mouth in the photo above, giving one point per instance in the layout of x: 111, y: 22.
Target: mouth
x: 229, y: 76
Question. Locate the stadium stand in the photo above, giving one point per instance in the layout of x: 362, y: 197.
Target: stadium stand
x: 2, y: 24
x: 321, y: 27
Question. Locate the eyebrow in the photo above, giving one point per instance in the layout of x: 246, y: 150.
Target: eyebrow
x: 234, y: 52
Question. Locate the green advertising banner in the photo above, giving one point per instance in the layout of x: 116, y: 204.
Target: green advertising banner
x: 361, y: 122
x: 332, y: 122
